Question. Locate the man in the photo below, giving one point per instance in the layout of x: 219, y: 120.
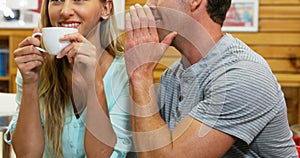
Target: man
x: 219, y: 100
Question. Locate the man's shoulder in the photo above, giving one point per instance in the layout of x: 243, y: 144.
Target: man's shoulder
x: 174, y: 68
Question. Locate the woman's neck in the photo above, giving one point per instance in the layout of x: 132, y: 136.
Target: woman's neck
x: 105, y: 61
x: 77, y: 87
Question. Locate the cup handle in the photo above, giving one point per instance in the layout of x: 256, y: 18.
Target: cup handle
x: 35, y: 35
x: 40, y: 49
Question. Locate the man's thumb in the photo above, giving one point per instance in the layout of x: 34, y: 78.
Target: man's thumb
x: 169, y: 38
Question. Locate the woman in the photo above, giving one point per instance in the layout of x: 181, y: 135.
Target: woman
x: 57, y: 95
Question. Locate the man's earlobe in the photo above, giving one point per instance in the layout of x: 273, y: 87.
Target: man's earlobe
x: 106, y: 10
x: 195, y: 4
x: 105, y: 16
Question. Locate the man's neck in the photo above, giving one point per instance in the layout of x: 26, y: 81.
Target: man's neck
x: 194, y: 54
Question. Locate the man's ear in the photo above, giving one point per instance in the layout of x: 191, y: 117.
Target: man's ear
x: 106, y: 10
x: 195, y: 4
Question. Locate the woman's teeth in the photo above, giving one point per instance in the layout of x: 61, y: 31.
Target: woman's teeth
x: 70, y: 25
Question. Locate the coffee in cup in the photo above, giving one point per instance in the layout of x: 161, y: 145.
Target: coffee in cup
x: 50, y: 38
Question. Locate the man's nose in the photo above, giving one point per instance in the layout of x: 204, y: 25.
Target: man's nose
x: 67, y: 9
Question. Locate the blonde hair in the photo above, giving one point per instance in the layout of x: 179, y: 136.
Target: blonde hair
x: 54, y: 91
x: 109, y: 38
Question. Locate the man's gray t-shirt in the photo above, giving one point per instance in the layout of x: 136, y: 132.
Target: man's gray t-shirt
x: 232, y: 90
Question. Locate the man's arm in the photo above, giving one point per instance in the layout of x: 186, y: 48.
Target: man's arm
x: 154, y: 139
x: 151, y: 135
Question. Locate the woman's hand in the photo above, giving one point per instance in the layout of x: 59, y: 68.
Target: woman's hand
x: 83, y: 56
x: 29, y: 60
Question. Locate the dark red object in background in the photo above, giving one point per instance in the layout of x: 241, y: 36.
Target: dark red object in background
x: 297, y: 139
x: 39, y: 7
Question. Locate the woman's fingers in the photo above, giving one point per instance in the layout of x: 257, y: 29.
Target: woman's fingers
x: 78, y: 45
x: 29, y: 58
x: 28, y: 50
x: 29, y: 66
x: 29, y: 41
x: 77, y: 37
x: 73, y: 38
x: 29, y: 61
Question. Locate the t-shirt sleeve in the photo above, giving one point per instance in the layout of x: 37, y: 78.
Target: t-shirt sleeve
x: 12, y: 124
x: 239, y: 101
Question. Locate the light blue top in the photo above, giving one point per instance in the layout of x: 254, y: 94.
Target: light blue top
x: 117, y: 94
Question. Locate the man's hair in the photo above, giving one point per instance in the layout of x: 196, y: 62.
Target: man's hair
x: 217, y: 10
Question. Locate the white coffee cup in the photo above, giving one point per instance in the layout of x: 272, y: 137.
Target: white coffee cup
x: 50, y: 38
